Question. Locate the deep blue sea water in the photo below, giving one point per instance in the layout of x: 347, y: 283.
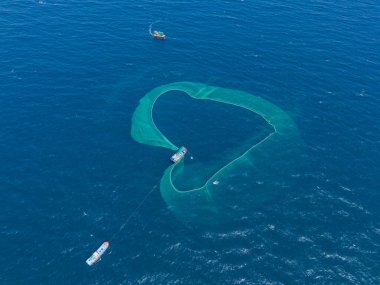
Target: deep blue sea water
x: 71, y: 74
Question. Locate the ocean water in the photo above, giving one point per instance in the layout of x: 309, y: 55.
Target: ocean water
x: 71, y: 75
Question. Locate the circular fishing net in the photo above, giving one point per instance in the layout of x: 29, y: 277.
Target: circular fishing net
x: 265, y: 159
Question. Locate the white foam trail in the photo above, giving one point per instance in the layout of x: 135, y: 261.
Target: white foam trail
x: 150, y: 27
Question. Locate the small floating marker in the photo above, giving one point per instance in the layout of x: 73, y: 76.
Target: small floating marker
x: 191, y: 157
x: 216, y: 182
x: 96, y: 256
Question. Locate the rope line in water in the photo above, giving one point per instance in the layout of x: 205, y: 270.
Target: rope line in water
x: 133, y: 212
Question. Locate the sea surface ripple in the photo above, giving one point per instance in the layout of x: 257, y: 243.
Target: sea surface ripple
x: 72, y: 73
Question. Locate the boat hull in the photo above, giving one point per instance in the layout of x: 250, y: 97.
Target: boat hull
x: 95, y: 257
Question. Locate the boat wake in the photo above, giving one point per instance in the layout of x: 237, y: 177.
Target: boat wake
x: 156, y: 34
x: 150, y: 27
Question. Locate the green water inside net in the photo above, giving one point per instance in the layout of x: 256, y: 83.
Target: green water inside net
x: 265, y: 162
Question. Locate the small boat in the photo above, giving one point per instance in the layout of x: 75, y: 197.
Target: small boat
x: 95, y: 257
x: 159, y: 35
x: 179, y: 154
x: 216, y: 182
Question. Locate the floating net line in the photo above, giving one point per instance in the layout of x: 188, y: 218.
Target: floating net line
x: 275, y: 147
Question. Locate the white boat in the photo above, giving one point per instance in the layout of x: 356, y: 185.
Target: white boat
x: 179, y: 154
x: 95, y: 257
